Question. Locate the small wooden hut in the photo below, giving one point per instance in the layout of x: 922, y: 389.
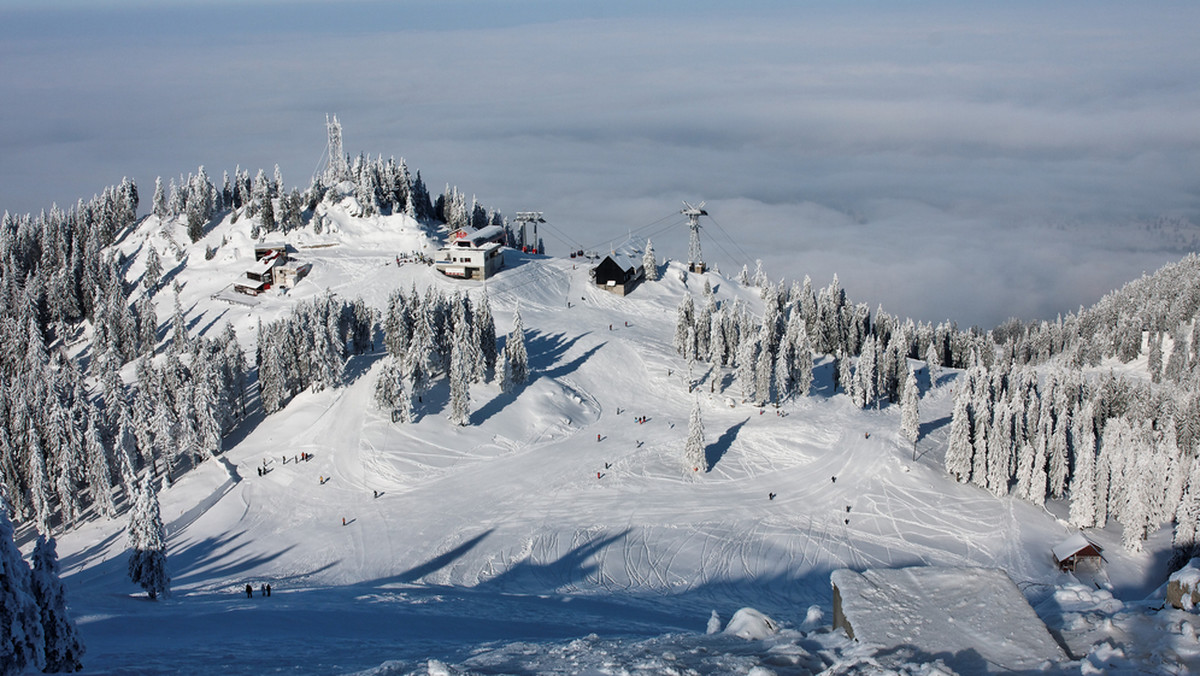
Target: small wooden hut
x: 1077, y: 550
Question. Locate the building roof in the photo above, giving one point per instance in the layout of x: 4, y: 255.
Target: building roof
x: 628, y: 256
x: 1071, y: 546
x: 959, y: 615
x: 477, y: 238
x: 263, y: 265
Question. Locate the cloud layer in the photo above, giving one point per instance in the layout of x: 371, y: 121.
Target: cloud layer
x: 945, y: 163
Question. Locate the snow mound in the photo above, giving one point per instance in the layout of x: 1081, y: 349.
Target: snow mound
x: 751, y: 625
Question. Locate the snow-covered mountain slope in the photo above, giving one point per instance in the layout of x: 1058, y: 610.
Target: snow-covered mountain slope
x: 556, y: 532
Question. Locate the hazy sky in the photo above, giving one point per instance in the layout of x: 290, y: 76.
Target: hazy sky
x: 949, y: 162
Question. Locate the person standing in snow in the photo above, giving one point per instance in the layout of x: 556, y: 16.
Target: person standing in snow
x: 249, y: 591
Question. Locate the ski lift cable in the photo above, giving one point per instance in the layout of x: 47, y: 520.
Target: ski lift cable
x: 641, y: 228
x: 562, y: 236
x: 745, y: 256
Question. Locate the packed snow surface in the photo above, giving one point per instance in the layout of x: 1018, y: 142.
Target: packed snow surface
x: 556, y: 533
x: 973, y: 619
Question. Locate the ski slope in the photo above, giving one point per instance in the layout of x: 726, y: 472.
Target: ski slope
x: 555, y: 533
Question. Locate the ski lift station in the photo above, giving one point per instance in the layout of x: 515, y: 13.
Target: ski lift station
x: 472, y: 255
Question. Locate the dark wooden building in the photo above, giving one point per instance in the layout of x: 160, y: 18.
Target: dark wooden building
x: 620, y: 272
x: 1075, y: 551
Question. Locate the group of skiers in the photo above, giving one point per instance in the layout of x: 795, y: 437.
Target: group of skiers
x: 265, y: 590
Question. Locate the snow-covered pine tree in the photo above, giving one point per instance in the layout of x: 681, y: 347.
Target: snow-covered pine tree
x: 764, y: 376
x: 99, y: 474
x: 693, y: 451
x: 866, y: 372
x: 1168, y: 452
x: 718, y: 349
x: 934, y: 362
x: 1187, y: 514
x: 486, y: 334
x: 1056, y: 452
x: 1025, y: 460
x: 63, y: 647
x: 504, y: 375
x: 1000, y: 451
x: 910, y: 416
x: 1138, y: 502
x: 802, y: 354
x: 22, y: 642
x: 147, y: 542
x: 747, y: 360
x: 516, y: 357
x: 1154, y: 359
x: 1083, y: 481
x: 845, y: 376
x: 760, y: 277
x: 388, y: 386
x: 979, y: 459
x: 684, y: 323
x: 460, y: 376
x: 154, y: 269
x: 959, y: 451
x: 159, y: 204
x: 39, y: 480
x: 125, y: 451
x: 649, y: 264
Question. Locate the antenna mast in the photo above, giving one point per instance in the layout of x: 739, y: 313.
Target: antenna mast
x: 695, y: 258
x: 524, y: 218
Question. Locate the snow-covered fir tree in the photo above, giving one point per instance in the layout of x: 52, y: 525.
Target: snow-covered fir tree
x: 693, y: 451
x: 1186, y: 537
x: 99, y: 473
x: 22, y: 641
x: 959, y: 451
x: 148, y: 543
x: 1083, y: 481
x: 460, y: 378
x: 933, y: 361
x: 910, y: 416
x: 516, y: 359
x: 649, y: 264
x: 63, y: 647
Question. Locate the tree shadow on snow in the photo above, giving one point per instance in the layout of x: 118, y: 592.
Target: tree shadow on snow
x: 546, y: 349
x: 717, y: 449
x: 216, y: 558
x: 357, y: 366
x: 574, y: 567
x: 926, y: 428
x: 569, y: 367
x: 436, y: 563
x: 543, y: 350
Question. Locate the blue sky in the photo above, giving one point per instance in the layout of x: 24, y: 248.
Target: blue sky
x: 949, y: 162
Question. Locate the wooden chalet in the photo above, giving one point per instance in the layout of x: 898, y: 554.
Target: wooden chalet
x: 620, y: 272
x: 1076, y: 550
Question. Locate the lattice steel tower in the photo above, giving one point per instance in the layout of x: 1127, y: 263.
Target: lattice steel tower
x: 695, y: 258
